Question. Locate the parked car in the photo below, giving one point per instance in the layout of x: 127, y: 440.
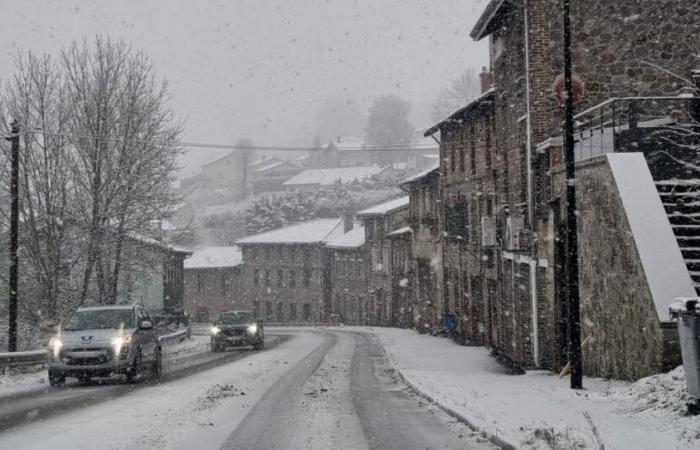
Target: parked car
x: 105, y: 340
x: 235, y: 329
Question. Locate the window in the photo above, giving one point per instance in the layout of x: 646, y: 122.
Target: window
x: 256, y: 277
x: 472, y: 149
x: 452, y: 158
x: 267, y: 278
x: 200, y: 283
x: 292, y: 279
x: 280, y: 312
x: 489, y: 155
x: 462, y: 149
x: 456, y: 218
x: 307, y: 312
x: 280, y: 277
x: 307, y: 278
x: 268, y: 309
x: 292, y: 311
x: 224, y: 284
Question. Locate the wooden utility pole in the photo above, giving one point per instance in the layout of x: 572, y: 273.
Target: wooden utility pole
x: 574, y: 313
x: 14, y: 232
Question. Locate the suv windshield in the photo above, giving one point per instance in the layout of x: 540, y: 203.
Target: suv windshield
x: 101, y: 319
x: 236, y: 318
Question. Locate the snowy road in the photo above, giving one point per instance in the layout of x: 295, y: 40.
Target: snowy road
x: 319, y: 389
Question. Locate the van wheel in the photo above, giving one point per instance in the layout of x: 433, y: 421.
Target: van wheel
x: 133, y: 372
x: 56, y: 378
x: 157, y: 365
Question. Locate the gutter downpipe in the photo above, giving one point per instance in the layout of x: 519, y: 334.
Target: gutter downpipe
x: 530, y: 206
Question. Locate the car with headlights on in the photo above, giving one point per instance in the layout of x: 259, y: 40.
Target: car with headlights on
x: 100, y: 341
x: 236, y: 329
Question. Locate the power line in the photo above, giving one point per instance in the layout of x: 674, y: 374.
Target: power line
x: 204, y: 145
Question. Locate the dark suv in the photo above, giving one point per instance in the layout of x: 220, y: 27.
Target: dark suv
x: 235, y: 329
x: 105, y: 340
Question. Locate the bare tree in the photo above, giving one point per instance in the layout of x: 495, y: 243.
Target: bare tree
x: 459, y: 93
x: 36, y: 97
x: 124, y: 156
x: 388, y: 124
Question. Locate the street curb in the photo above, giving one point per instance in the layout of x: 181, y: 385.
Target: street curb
x: 455, y: 415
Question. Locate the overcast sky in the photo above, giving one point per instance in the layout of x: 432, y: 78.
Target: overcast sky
x: 262, y: 68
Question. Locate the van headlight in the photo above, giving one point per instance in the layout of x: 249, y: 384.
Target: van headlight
x: 55, y: 345
x: 252, y: 328
x: 215, y: 330
x: 119, y: 342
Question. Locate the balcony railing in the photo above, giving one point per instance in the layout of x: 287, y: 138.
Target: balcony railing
x: 623, y: 124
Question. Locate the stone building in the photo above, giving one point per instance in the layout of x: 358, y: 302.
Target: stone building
x: 469, y: 175
x: 426, y: 250
x: 270, y: 177
x: 213, y: 283
x: 284, y: 273
x: 401, y: 278
x: 379, y: 221
x: 618, y: 48
x: 346, y: 257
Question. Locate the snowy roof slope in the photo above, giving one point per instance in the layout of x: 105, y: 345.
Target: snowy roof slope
x: 347, y: 143
x: 352, y: 239
x: 422, y: 174
x: 273, y: 164
x: 319, y: 230
x: 211, y: 257
x: 665, y: 270
x: 400, y: 231
x: 386, y: 207
x: 324, y: 177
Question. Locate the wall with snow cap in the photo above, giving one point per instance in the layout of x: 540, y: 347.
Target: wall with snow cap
x: 630, y: 269
x: 661, y: 258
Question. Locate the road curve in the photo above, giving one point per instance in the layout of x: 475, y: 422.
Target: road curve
x: 348, y: 401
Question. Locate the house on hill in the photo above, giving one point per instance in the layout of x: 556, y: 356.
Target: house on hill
x: 284, y: 275
x: 213, y: 277
x: 314, y: 179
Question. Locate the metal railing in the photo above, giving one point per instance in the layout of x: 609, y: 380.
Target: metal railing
x: 18, y: 359
x: 615, y: 125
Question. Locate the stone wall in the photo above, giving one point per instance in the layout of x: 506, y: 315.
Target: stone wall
x: 617, y: 309
x: 211, y: 291
x: 289, y: 287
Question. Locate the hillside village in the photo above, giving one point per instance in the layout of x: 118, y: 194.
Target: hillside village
x: 476, y: 238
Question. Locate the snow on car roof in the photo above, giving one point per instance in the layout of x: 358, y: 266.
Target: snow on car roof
x: 211, y: 257
x: 352, y: 239
x: 386, y: 207
x: 319, y: 230
x: 325, y: 177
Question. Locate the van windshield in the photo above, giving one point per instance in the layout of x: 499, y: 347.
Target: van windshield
x: 101, y: 319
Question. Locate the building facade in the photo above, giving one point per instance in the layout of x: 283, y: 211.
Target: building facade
x: 213, y: 283
x: 284, y: 273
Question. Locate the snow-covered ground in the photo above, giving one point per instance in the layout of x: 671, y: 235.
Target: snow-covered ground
x: 197, y: 411
x: 538, y: 410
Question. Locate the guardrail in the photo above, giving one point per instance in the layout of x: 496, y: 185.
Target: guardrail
x: 176, y: 336
x: 17, y: 359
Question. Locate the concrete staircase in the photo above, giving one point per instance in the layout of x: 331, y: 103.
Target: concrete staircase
x: 681, y: 200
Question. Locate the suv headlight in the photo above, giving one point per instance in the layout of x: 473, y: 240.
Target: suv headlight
x: 55, y: 344
x: 252, y: 328
x: 120, y: 342
x: 215, y: 330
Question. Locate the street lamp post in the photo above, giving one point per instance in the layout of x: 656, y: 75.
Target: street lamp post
x: 572, y: 292
x: 14, y: 229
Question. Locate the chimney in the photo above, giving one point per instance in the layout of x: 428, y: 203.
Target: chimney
x: 348, y: 221
x: 486, y: 79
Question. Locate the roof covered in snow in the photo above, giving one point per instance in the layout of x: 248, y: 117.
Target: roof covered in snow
x: 490, y: 19
x: 419, y: 176
x: 325, y: 177
x: 272, y: 165
x: 314, y: 231
x: 386, y: 207
x: 346, y: 143
x: 212, y: 257
x: 352, y: 239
